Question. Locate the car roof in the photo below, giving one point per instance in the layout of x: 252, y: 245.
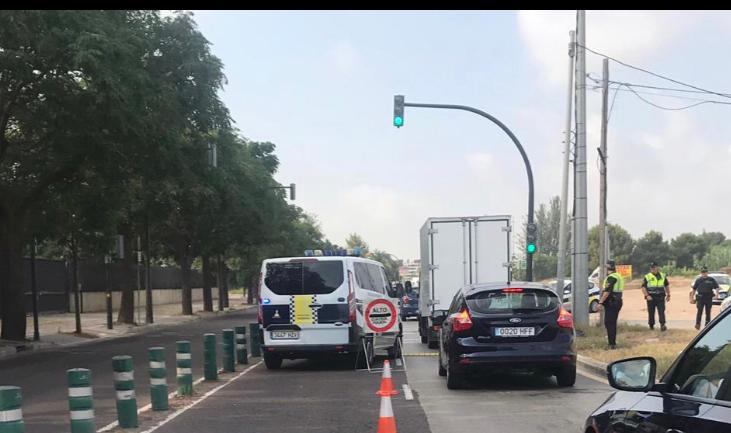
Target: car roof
x: 322, y: 259
x: 475, y: 288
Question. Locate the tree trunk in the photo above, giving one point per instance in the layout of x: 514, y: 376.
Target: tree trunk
x: 207, y: 296
x: 128, y: 284
x: 12, y: 296
x: 184, y: 262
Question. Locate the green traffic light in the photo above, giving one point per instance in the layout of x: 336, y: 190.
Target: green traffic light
x: 531, y: 248
x: 398, y: 121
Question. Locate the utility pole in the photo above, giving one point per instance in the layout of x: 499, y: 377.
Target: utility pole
x: 148, y: 288
x: 603, y: 180
x: 34, y: 289
x: 562, y: 231
x: 77, y: 284
x: 219, y: 281
x: 139, y: 279
x: 581, y: 245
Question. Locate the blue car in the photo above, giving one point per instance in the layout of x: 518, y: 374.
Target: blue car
x: 410, y: 304
x: 693, y: 396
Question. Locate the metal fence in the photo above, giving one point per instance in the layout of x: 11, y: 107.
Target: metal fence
x: 54, y: 280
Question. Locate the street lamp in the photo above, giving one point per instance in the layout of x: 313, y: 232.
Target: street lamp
x: 399, y: 102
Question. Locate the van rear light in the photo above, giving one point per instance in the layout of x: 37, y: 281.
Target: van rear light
x: 351, y: 298
x: 565, y: 319
x: 513, y: 290
x: 462, y: 321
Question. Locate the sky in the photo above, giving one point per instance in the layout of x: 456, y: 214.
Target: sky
x: 320, y: 85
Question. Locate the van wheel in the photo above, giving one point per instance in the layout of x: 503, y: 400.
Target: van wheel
x: 594, y: 306
x: 272, y: 362
x: 363, y: 358
x: 394, y: 351
x: 455, y: 377
x: 566, y: 376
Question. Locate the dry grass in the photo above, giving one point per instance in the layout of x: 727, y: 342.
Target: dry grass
x: 633, y: 340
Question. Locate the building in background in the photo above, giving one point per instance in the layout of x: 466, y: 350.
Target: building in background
x: 409, y: 271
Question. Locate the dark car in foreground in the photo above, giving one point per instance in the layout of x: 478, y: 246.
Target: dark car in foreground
x: 410, y: 304
x: 516, y: 326
x: 693, y: 396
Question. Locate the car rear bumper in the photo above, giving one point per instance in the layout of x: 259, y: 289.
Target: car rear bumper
x: 409, y: 312
x: 555, y: 353
x: 309, y: 350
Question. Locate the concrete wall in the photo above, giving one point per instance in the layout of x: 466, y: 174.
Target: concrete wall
x: 94, y: 302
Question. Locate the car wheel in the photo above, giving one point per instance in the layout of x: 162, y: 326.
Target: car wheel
x: 594, y: 306
x: 566, y: 376
x: 394, y: 351
x: 424, y: 339
x: 455, y: 376
x: 272, y: 362
x: 442, y: 370
x: 433, y: 345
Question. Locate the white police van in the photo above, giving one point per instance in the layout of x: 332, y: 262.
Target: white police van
x: 315, y: 305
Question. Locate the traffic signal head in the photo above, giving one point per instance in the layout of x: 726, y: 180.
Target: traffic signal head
x: 531, y: 238
x: 291, y: 191
x: 398, y: 111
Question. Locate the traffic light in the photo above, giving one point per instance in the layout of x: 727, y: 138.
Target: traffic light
x: 291, y: 191
x: 531, y: 238
x: 398, y: 111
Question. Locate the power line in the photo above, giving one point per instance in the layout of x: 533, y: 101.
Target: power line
x: 647, y: 101
x: 725, y: 95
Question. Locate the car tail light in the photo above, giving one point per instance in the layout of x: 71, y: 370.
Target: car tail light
x: 405, y: 300
x: 513, y: 290
x: 462, y: 321
x: 351, y: 298
x: 261, y: 308
x: 565, y: 319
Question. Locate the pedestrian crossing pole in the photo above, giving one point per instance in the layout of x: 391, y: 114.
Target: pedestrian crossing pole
x: 124, y: 384
x: 158, y: 378
x: 184, y: 365
x: 241, y: 355
x: 81, y: 401
x: 11, y: 414
x: 229, y: 350
x: 210, y: 366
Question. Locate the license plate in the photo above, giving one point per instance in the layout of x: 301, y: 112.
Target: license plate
x: 522, y: 331
x: 285, y: 335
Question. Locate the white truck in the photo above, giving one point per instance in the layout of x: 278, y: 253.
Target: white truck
x: 456, y: 252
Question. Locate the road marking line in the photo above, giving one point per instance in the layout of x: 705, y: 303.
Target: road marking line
x: 408, y: 395
x: 205, y: 396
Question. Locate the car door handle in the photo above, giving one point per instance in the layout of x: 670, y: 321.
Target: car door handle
x: 316, y: 306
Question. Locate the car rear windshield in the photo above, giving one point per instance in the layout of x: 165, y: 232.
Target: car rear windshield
x: 513, y: 301
x: 304, y: 277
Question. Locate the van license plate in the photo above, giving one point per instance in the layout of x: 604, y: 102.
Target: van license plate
x: 522, y: 331
x: 285, y: 335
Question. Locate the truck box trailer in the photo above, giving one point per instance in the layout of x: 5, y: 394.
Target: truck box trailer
x: 456, y: 252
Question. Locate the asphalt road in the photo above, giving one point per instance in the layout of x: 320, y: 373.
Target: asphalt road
x: 42, y: 375
x: 515, y: 403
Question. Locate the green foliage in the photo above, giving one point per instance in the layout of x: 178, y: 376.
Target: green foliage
x: 390, y: 263
x: 649, y: 248
x: 620, y: 243
x: 355, y: 240
x: 719, y: 256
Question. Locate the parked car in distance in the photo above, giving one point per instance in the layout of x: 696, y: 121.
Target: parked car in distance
x: 693, y: 396
x: 517, y: 325
x: 594, y: 291
x: 724, y: 282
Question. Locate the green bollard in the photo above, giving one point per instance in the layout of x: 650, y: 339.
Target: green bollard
x: 254, y: 337
x: 210, y: 366
x: 229, y: 350
x: 81, y: 402
x: 241, y: 355
x: 124, y: 384
x: 158, y: 378
x: 11, y: 414
x: 184, y: 365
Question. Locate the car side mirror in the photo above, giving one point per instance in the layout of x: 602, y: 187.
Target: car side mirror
x: 633, y: 374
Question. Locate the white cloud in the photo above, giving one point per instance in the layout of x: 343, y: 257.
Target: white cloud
x: 344, y: 57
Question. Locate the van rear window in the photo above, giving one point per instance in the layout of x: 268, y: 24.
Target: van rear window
x: 304, y: 278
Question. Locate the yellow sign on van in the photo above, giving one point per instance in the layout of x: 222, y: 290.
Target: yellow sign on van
x: 625, y: 271
x: 302, y: 311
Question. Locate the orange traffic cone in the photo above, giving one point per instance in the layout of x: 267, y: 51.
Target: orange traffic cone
x: 387, y: 388
x: 386, y: 421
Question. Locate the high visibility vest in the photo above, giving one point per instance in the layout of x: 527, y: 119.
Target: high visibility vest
x: 619, y: 285
x: 655, y: 285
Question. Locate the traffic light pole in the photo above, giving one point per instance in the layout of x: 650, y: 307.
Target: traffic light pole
x: 529, y: 171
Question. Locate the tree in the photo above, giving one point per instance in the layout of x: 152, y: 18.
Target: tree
x: 649, y: 248
x: 548, y: 219
x: 718, y: 257
x: 620, y: 244
x: 687, y: 248
x: 390, y: 262
x: 354, y: 240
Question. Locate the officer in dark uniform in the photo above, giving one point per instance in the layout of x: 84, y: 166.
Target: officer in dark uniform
x: 611, y: 301
x: 656, y: 289
x: 704, y: 290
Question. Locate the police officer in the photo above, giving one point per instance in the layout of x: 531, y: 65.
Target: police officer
x: 611, y: 301
x: 656, y: 289
x: 704, y: 290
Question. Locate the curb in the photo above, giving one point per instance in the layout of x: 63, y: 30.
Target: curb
x: 591, y: 365
x: 37, y: 347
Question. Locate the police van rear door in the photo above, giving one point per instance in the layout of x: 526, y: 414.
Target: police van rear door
x: 307, y: 303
